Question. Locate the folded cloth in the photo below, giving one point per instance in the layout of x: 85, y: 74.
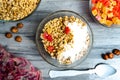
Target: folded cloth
x: 16, y: 68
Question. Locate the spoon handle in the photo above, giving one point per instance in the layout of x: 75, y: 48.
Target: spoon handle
x: 66, y: 73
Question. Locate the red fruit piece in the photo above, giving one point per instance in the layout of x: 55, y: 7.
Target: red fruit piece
x: 67, y: 30
x: 47, y: 36
x: 50, y: 48
x: 94, y: 1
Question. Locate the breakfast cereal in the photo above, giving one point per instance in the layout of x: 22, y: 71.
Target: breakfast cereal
x: 65, y: 39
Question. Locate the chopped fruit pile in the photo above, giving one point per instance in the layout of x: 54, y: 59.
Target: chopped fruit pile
x: 107, y: 12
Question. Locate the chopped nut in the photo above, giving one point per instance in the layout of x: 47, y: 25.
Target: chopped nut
x: 18, y: 38
x: 104, y: 56
x: 8, y: 35
x: 110, y: 55
x: 20, y: 25
x: 116, y: 52
x: 14, y: 29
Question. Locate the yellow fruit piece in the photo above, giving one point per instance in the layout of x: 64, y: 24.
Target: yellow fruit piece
x: 104, y: 16
x: 114, y: 20
x: 105, y: 10
x: 94, y: 12
x: 110, y: 15
x: 98, y: 5
x: 114, y: 3
x: 109, y: 23
x: 102, y: 21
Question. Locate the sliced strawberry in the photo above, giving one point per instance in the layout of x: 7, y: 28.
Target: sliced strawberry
x: 50, y: 48
x: 67, y: 30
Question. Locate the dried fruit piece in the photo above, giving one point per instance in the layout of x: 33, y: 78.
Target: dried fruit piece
x: 108, y: 10
x: 20, y: 25
x: 47, y: 36
x: 8, y: 35
x: 14, y: 29
x: 104, y: 56
x: 67, y: 30
x: 18, y: 38
x: 50, y: 48
x: 116, y: 52
x: 110, y: 55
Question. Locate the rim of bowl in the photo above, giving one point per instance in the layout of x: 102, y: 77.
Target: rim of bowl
x: 90, y: 10
x: 23, y: 17
x: 74, y: 63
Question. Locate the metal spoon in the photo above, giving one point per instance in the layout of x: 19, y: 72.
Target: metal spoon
x: 102, y: 70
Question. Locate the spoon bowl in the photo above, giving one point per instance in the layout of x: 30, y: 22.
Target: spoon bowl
x: 102, y: 70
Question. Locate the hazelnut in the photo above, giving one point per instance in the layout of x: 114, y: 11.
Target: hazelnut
x: 8, y: 35
x: 116, y: 52
x: 20, y: 25
x: 110, y: 55
x: 105, y: 56
x: 18, y: 38
x: 14, y: 29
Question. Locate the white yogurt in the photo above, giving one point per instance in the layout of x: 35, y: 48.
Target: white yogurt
x: 80, y: 34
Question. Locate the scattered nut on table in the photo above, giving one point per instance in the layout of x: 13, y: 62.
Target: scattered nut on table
x: 20, y: 25
x: 14, y: 29
x: 18, y: 38
x: 8, y: 35
x: 105, y: 56
x: 110, y: 55
x: 116, y: 52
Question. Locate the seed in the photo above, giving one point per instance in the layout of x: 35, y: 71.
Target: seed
x: 18, y: 38
x: 8, y: 35
x: 104, y: 56
x: 14, y: 29
x: 20, y: 25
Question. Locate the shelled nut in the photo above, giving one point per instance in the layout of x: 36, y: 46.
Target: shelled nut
x: 110, y: 55
x: 8, y: 35
x: 18, y: 38
x: 14, y: 29
x: 20, y: 25
x: 116, y: 51
x: 104, y: 56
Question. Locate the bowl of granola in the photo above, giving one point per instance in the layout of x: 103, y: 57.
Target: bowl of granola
x: 14, y: 10
x: 64, y: 38
x: 105, y: 12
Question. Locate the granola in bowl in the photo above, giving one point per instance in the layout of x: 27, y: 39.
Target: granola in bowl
x: 13, y: 10
x: 65, y: 39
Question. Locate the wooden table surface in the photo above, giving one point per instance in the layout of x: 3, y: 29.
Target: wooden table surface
x: 105, y: 39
